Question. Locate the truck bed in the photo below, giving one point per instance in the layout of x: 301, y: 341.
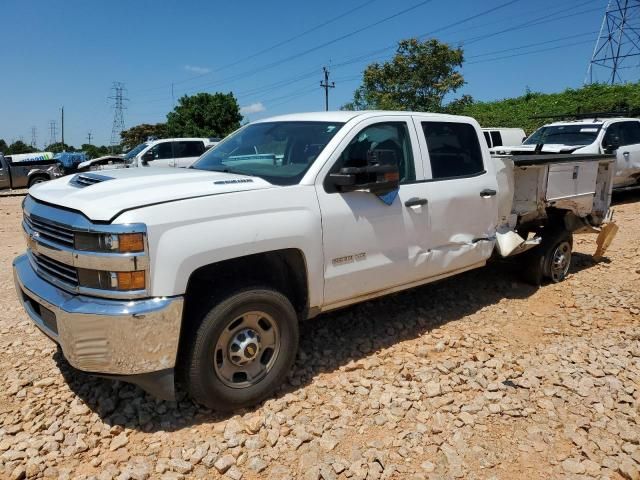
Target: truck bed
x: 580, y: 184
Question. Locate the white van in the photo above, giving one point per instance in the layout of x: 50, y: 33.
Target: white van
x: 168, y: 152
x: 497, y: 137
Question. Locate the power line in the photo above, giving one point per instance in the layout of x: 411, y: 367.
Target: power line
x: 118, y: 115
x: 274, y: 46
x: 326, y: 86
x: 312, y: 49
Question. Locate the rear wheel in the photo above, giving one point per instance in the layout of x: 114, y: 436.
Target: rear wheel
x: 551, y: 260
x: 242, y: 350
x: 36, y: 180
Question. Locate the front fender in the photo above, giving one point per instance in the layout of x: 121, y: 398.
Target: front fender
x: 188, y: 234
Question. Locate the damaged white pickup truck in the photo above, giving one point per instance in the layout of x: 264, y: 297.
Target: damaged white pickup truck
x: 202, y: 275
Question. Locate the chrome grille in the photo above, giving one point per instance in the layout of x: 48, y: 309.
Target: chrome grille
x: 55, y: 269
x: 50, y: 231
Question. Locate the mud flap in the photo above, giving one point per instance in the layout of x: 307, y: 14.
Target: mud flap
x: 605, y: 237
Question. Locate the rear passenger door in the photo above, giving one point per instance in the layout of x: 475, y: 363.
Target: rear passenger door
x: 461, y: 191
x: 185, y: 152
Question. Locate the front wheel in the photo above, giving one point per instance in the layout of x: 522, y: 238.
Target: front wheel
x: 242, y: 350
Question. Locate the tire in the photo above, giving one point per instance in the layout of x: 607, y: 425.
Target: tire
x: 36, y: 180
x: 557, y: 259
x: 242, y: 349
x: 542, y: 262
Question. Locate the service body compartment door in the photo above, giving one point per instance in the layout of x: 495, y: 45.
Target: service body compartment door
x: 573, y: 184
x: 461, y: 192
x: 369, y: 245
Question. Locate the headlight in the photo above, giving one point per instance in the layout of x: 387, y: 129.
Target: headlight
x: 120, y: 281
x: 110, y: 242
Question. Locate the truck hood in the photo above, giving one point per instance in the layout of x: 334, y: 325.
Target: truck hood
x: 546, y: 148
x: 102, y: 195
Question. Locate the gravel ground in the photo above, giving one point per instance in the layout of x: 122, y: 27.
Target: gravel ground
x: 479, y: 376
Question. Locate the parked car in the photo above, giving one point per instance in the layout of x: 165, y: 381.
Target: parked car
x: 168, y: 152
x: 26, y: 173
x: 496, y: 137
x: 141, y: 273
x: 107, y: 162
x: 618, y: 136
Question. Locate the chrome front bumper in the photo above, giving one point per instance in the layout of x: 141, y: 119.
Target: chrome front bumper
x: 102, y: 336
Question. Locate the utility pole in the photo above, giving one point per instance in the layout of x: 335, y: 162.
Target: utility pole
x: 326, y: 85
x: 53, y: 138
x: 89, y: 137
x: 62, y: 115
x: 118, y: 117
x: 618, y: 44
x: 34, y: 139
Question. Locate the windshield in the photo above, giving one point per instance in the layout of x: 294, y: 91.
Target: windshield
x: 134, y: 151
x: 279, y: 152
x: 583, y: 134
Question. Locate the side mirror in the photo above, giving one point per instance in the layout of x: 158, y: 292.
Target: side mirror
x: 380, y: 176
x: 147, y: 157
x: 611, y: 144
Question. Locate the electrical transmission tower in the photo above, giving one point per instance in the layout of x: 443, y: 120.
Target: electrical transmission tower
x: 118, y: 108
x: 89, y: 135
x: 53, y: 129
x: 34, y: 138
x: 326, y: 85
x: 617, y: 50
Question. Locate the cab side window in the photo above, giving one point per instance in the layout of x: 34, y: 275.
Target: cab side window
x: 630, y: 133
x: 162, y: 151
x: 188, y: 149
x: 454, y: 149
x: 387, y: 138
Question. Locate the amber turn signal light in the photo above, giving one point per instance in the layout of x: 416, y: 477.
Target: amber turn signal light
x: 131, y: 280
x: 130, y: 242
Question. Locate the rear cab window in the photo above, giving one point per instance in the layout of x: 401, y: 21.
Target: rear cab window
x: 188, y: 148
x: 454, y: 150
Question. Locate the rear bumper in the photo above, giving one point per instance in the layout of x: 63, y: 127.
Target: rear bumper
x: 103, y: 336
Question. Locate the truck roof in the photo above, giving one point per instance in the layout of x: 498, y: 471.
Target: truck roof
x: 345, y: 116
x: 589, y: 121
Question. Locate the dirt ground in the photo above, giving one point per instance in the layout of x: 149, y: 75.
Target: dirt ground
x: 478, y: 376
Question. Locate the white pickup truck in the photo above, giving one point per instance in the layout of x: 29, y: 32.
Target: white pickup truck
x: 617, y: 135
x: 142, y: 274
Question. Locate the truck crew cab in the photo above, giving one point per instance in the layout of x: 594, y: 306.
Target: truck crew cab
x: 205, y: 273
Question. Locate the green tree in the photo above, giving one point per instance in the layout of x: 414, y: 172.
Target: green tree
x: 204, y: 115
x: 93, y: 151
x: 139, y: 134
x: 418, y: 77
x: 59, y: 147
x: 19, y: 147
x: 3, y: 146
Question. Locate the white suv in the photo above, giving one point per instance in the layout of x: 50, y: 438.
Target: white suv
x: 169, y: 152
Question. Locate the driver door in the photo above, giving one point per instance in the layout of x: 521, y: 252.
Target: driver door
x: 161, y: 155
x: 369, y: 245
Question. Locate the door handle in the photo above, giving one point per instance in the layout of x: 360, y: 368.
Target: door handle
x: 626, y: 154
x: 488, y: 192
x: 415, y: 202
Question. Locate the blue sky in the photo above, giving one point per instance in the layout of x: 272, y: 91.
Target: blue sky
x: 69, y: 52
